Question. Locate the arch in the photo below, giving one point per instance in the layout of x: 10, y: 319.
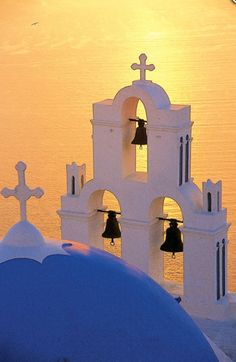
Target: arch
x: 112, y: 203
x: 157, y: 206
x: 124, y: 106
x: 173, y: 268
x: 169, y: 268
x: 99, y: 199
x: 95, y: 200
x: 130, y: 153
x: 152, y: 95
x: 141, y: 152
x: 188, y: 199
x: 172, y: 208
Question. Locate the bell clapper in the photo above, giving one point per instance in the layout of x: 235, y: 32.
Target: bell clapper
x: 173, y: 256
x: 112, y: 243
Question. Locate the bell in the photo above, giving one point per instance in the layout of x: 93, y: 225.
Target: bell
x: 140, y: 137
x: 173, y: 243
x: 112, y: 229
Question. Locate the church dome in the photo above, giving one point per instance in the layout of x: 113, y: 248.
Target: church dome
x: 24, y: 240
x: 87, y: 306
x: 23, y: 234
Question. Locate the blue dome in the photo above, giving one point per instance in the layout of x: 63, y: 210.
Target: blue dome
x: 25, y: 241
x: 90, y: 306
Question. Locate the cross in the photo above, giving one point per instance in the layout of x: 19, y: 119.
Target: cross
x: 22, y: 192
x: 143, y: 66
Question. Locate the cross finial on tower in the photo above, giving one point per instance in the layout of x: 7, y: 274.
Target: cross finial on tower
x: 143, y: 66
x: 22, y: 192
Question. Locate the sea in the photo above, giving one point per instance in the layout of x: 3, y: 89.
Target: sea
x: 48, y: 87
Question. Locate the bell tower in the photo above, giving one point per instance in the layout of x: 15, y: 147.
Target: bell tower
x: 212, y: 196
x: 76, y: 178
x: 141, y: 194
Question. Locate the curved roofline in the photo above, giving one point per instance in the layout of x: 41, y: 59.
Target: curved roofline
x: 146, y: 92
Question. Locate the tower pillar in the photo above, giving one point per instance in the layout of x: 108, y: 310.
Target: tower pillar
x: 141, y: 246
x: 205, y: 272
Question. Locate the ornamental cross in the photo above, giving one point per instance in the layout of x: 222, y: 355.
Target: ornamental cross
x: 143, y: 66
x: 22, y: 192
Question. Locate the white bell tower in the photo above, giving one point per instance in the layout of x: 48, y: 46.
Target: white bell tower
x: 141, y: 194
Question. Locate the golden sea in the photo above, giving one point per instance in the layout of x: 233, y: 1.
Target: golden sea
x: 80, y: 53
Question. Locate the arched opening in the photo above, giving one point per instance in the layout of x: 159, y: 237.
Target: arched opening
x: 141, y: 152
x: 102, y: 200
x: 163, y: 267
x: 82, y: 181
x: 73, y: 185
x: 134, y: 159
x: 217, y: 270
x: 173, y: 267
x: 209, y: 208
x: 187, y: 159
x: 111, y: 203
x: 181, y: 161
x: 223, y: 268
x: 218, y: 201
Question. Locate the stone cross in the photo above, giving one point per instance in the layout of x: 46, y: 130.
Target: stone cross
x: 143, y: 66
x: 22, y: 192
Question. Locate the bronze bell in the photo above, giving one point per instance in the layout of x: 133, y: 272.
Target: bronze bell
x: 112, y: 230
x: 140, y: 137
x: 173, y: 243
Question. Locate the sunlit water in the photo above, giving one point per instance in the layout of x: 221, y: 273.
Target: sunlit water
x: 48, y: 87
